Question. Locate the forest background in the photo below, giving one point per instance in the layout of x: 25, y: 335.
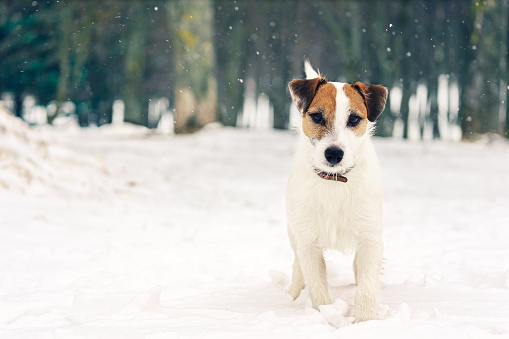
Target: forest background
x: 199, y: 61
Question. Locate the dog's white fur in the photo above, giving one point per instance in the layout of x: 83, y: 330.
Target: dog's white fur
x: 325, y: 214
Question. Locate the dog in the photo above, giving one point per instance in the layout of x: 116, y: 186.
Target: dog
x: 334, y: 191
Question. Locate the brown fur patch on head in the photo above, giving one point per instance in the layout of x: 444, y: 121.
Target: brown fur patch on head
x: 324, y: 102
x: 374, y: 96
x: 357, y: 106
x: 304, y: 90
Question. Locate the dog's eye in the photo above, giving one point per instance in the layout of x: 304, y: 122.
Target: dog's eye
x: 353, y: 120
x: 317, y: 118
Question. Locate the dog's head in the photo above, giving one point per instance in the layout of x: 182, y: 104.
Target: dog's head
x: 336, y: 117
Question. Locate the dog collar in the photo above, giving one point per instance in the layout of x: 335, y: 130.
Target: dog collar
x: 331, y: 176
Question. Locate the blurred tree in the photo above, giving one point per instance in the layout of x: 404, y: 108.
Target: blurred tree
x: 405, y: 71
x: 201, y: 53
x: 280, y: 55
x: 195, y: 88
x: 159, y: 66
x: 28, y: 57
x: 380, y: 22
x: 89, y: 59
x: 230, y: 47
x: 64, y: 52
x: 105, y: 66
x: 272, y: 47
x: 134, y: 64
x: 484, y: 95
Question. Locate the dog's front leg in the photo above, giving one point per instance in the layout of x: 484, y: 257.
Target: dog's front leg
x: 315, y: 273
x: 368, y: 260
x: 298, y: 282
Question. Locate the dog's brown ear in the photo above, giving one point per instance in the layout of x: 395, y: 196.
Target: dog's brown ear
x: 374, y: 96
x: 303, y: 91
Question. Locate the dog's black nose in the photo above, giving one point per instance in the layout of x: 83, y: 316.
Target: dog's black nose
x: 334, y: 155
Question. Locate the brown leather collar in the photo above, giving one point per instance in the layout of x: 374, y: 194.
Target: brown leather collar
x: 331, y: 176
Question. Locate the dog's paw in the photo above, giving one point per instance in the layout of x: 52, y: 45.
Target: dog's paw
x: 295, y: 290
x: 365, y: 312
x: 366, y: 306
x: 294, y: 293
x: 320, y: 300
x: 364, y: 317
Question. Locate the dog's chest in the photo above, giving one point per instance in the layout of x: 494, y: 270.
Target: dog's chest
x: 336, y: 218
x: 335, y: 214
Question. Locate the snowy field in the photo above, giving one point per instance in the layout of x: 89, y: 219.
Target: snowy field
x: 116, y: 233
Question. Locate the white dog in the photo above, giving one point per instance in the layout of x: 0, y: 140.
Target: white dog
x: 334, y: 193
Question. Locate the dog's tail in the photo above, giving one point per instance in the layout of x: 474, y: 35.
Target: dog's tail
x: 310, y: 72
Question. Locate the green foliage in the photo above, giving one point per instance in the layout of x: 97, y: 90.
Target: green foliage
x: 28, y: 41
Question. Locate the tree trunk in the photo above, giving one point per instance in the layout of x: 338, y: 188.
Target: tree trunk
x: 382, y: 67
x: 504, y: 47
x: 433, y: 110
x: 64, y: 78
x: 481, y: 100
x: 230, y: 49
x: 135, y: 105
x: 278, y: 95
x: 408, y: 81
x: 407, y: 89
x: 280, y: 41
x: 18, y: 104
x: 195, y: 82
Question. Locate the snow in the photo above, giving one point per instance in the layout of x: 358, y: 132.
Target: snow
x: 123, y: 234
x: 33, y: 162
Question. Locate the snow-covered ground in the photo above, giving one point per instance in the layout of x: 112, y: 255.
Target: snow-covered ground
x: 134, y: 235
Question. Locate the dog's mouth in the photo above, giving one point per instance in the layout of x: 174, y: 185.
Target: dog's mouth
x: 333, y: 176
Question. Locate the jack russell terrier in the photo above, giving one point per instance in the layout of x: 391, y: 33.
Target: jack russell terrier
x: 334, y: 192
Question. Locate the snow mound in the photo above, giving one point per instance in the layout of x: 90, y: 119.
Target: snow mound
x: 123, y: 129
x: 32, y: 161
